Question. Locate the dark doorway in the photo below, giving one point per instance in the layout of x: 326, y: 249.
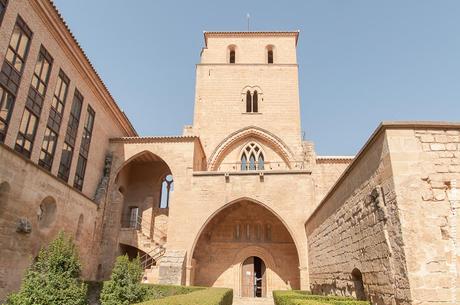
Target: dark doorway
x: 357, y: 278
x: 253, y: 277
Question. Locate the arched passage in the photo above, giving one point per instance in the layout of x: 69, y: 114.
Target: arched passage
x: 144, y: 209
x: 241, y: 230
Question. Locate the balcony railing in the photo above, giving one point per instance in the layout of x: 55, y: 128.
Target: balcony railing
x: 266, y: 166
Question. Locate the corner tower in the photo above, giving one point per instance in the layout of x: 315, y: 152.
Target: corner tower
x: 248, y: 79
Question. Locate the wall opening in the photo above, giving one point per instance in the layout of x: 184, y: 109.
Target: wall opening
x: 358, y: 284
x: 47, y: 213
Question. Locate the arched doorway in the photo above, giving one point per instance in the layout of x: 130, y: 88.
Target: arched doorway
x: 253, y: 278
x: 241, y: 230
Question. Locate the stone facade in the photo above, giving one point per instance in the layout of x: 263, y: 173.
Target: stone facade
x: 392, y: 215
x: 238, y: 190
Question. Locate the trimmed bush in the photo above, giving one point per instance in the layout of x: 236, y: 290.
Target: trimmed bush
x: 54, y: 278
x: 294, y: 297
x: 207, y: 296
x: 124, y: 286
x: 161, y: 291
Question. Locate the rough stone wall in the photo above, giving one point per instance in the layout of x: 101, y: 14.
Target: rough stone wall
x: 23, y: 188
x: 357, y: 226
x: 426, y: 166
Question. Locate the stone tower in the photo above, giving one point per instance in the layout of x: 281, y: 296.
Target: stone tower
x: 237, y: 67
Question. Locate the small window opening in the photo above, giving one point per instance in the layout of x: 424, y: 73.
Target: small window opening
x: 255, y: 100
x: 270, y: 56
x: 248, y: 101
x: 232, y: 56
x: 167, y: 186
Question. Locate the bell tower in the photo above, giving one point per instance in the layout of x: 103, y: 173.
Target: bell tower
x: 248, y: 79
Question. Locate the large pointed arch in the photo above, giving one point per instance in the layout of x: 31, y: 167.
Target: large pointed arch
x: 216, y: 212
x: 143, y: 156
x: 272, y: 140
x: 217, y: 254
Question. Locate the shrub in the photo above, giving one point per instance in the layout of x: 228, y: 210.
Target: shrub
x: 293, y: 297
x: 54, y: 278
x: 162, y: 291
x: 124, y: 286
x: 208, y: 296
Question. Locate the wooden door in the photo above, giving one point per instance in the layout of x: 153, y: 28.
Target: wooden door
x: 247, y: 278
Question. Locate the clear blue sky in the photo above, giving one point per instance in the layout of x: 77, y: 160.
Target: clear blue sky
x: 361, y: 62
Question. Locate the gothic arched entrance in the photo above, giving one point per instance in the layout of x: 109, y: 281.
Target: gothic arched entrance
x: 243, y: 237
x: 253, y: 278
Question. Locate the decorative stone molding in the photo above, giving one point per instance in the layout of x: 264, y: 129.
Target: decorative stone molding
x: 276, y: 144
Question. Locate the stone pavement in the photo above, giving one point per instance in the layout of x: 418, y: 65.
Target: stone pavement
x: 252, y: 301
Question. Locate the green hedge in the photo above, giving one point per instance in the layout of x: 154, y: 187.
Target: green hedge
x: 295, y: 297
x: 162, y: 291
x: 201, y: 296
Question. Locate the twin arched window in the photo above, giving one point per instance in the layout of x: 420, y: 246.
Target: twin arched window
x: 252, y: 101
x: 252, y: 158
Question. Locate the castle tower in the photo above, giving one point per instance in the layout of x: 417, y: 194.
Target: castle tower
x: 244, y: 80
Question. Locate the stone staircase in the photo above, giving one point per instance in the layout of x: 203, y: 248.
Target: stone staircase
x: 135, y: 235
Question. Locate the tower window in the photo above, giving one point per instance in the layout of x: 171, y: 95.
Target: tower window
x: 255, y: 100
x: 270, y: 56
x: 232, y: 56
x: 248, y: 101
x: 252, y: 158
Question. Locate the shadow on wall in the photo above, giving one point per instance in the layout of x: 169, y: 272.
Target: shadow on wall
x: 242, y: 225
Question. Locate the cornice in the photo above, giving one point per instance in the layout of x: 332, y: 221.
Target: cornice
x: 385, y: 125
x: 250, y: 34
x: 57, y: 26
x: 155, y: 139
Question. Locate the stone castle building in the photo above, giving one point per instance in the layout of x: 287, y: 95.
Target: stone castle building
x: 238, y: 200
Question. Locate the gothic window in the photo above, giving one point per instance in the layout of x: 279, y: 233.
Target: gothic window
x: 252, y: 157
x: 252, y: 101
x: 167, y: 186
x: 248, y: 231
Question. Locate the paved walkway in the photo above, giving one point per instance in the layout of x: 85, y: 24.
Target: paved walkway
x: 252, y: 301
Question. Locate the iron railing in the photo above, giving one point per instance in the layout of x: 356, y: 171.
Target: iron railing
x: 147, y: 259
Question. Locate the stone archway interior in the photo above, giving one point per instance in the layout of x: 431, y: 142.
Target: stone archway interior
x: 245, y: 229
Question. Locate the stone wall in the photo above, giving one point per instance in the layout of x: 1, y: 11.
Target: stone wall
x: 231, y: 234
x: 426, y: 167
x: 327, y: 171
x: 45, y: 206
x: 357, y: 227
